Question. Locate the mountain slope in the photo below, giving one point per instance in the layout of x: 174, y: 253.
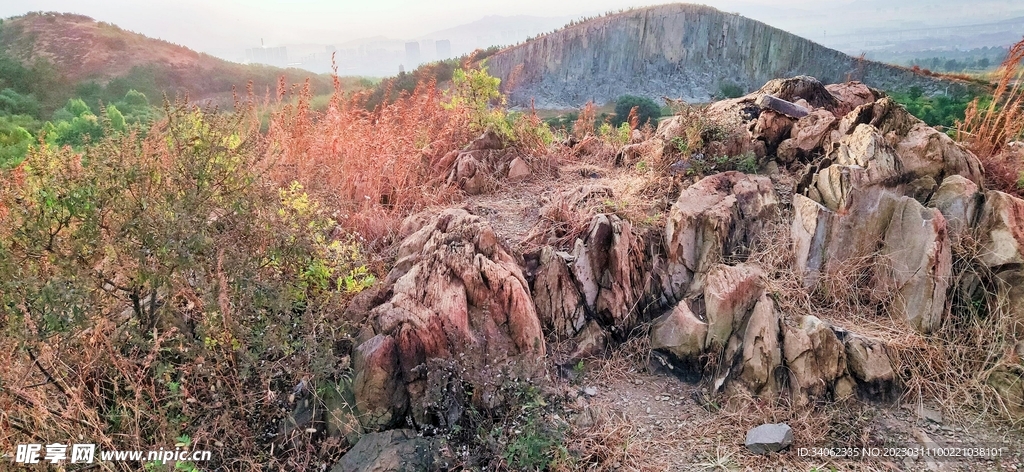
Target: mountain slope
x: 81, y: 49
x: 678, y: 50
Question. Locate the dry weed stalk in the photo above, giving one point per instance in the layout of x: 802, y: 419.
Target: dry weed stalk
x: 986, y: 130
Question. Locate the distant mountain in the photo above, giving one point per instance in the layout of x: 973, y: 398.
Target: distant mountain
x: 82, y: 50
x: 684, y: 51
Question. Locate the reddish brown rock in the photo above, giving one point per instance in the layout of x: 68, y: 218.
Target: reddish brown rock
x: 456, y: 295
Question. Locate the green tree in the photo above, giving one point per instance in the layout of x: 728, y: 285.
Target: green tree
x: 14, y: 103
x: 647, y: 110
x: 14, y: 143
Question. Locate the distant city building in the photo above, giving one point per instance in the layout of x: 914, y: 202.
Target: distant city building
x: 443, y: 48
x: 412, y: 54
x: 271, y: 56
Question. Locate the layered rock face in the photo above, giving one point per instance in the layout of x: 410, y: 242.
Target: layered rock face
x: 679, y: 50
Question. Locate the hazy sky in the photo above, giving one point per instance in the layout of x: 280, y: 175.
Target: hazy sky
x: 211, y: 24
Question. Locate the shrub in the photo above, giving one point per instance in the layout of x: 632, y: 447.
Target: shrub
x: 647, y: 110
x: 160, y: 287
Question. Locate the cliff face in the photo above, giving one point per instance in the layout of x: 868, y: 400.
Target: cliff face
x: 680, y: 51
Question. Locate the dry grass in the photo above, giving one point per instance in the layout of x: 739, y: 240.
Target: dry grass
x: 375, y: 167
x: 986, y: 130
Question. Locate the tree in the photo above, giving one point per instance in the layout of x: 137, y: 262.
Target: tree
x: 647, y: 110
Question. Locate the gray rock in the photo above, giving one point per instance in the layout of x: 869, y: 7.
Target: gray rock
x: 397, y: 450
x: 769, y: 438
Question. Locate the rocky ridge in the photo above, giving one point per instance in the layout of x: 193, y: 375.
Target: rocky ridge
x: 873, y: 189
x: 680, y: 51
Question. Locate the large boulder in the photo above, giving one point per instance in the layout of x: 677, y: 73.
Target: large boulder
x: 807, y: 136
x: 870, y: 365
x: 555, y: 296
x: 682, y: 334
x: 609, y: 269
x: 851, y: 95
x: 454, y: 294
x: 719, y: 217
x: 917, y: 264
x: 816, y: 360
x: 757, y: 360
x: 1000, y: 232
x: 958, y: 199
x: 730, y: 292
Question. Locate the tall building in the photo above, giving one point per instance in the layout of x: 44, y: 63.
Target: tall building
x: 443, y: 48
x: 412, y: 54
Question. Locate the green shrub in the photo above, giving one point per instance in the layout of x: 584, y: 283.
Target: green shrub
x: 647, y: 110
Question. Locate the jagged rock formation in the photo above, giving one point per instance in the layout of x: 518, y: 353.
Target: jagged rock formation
x: 679, y: 50
x: 453, y: 310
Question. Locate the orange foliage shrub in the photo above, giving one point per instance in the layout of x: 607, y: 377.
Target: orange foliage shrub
x: 376, y: 166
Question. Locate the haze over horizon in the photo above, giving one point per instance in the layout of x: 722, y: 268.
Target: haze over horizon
x: 378, y: 31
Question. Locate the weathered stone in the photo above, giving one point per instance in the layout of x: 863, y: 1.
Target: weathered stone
x: 730, y: 292
x: 917, y: 264
x: 680, y: 333
x: 719, y: 216
x: 761, y: 355
x: 815, y: 358
x: 558, y: 303
x: 1000, y: 231
x: 487, y: 141
x: 455, y: 293
x: 397, y: 450
x: 772, y: 128
x: 769, y: 438
x: 958, y: 199
x: 590, y: 341
x: 518, y: 169
x: 851, y: 95
x: 609, y: 270
x: 809, y: 132
x: 378, y: 391
x: 870, y: 365
x: 469, y: 174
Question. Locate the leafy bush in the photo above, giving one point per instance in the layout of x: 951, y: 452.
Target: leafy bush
x: 647, y: 110
x: 730, y: 90
x: 160, y: 286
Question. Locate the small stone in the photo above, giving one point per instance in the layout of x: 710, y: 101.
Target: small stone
x: 590, y: 391
x: 518, y: 169
x: 769, y: 438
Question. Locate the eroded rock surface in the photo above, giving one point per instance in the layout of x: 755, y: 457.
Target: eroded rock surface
x: 455, y: 293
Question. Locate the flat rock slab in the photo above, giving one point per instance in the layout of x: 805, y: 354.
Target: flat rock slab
x: 769, y: 438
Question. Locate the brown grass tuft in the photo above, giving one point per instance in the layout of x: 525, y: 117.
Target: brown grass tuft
x: 987, y: 128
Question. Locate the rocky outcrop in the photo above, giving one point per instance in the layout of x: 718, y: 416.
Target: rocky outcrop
x: 719, y: 216
x: 609, y: 270
x: 816, y: 360
x: 455, y: 294
x: 678, y: 50
x: 558, y: 302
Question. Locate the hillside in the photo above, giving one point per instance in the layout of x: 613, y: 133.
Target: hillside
x: 81, y: 50
x: 679, y: 50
